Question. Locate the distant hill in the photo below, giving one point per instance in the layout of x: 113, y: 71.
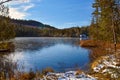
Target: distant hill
x: 32, y: 28
x: 31, y: 23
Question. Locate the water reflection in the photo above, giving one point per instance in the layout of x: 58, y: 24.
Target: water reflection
x: 59, y: 53
x: 7, y: 67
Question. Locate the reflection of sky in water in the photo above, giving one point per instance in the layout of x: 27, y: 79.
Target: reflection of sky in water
x: 58, y: 53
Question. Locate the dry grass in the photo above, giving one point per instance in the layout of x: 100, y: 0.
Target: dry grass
x: 6, y: 46
x: 25, y: 75
x: 88, y: 43
x: 95, y: 43
x: 98, y: 48
x: 78, y: 72
x: 46, y: 70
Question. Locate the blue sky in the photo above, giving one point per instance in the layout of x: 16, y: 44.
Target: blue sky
x: 58, y: 13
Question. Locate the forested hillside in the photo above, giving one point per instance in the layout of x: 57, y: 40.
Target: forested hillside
x: 30, y: 23
x: 22, y: 30
x: 31, y: 28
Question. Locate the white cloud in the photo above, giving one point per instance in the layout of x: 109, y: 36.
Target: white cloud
x: 27, y: 1
x: 19, y: 8
x: 21, y: 11
x: 23, y: 1
x: 16, y: 2
x: 17, y: 14
x: 25, y: 8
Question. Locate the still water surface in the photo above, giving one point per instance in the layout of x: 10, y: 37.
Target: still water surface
x: 61, y: 54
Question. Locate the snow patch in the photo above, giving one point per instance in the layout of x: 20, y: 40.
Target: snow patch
x: 108, y: 64
x: 70, y: 75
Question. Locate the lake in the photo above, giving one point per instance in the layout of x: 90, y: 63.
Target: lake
x: 61, y: 54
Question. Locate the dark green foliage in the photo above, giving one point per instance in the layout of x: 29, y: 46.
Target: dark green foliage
x: 23, y: 28
x: 22, y: 31
x: 6, y: 29
x: 47, y: 31
x: 106, y: 20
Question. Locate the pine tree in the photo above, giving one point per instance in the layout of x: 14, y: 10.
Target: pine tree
x: 106, y: 21
x: 94, y: 29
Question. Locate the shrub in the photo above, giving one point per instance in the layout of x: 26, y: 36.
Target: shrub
x: 46, y: 70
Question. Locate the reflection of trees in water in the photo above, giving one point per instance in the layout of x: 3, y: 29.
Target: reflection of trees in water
x: 7, y: 68
x: 10, y: 69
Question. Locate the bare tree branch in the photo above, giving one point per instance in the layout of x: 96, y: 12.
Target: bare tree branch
x: 4, y: 2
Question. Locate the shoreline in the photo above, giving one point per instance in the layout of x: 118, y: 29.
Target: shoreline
x: 104, y: 59
x: 95, y: 73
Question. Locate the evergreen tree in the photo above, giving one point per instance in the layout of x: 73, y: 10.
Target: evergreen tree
x: 106, y: 20
x: 6, y: 28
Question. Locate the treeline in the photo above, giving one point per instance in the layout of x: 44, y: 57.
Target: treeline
x: 106, y: 20
x: 31, y: 28
x: 10, y: 28
x: 26, y: 31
